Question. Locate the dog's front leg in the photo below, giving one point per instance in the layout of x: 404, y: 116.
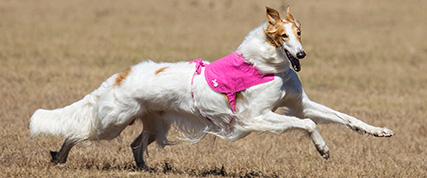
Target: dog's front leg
x: 276, y: 123
x: 322, y: 114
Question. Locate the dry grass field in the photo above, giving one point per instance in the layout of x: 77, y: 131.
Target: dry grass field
x: 365, y: 58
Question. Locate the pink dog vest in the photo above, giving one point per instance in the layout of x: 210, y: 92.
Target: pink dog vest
x: 230, y: 75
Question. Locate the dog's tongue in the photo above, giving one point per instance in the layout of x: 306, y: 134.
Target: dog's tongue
x: 295, y: 64
x: 294, y: 61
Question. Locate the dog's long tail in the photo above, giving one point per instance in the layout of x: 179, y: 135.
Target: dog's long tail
x: 67, y: 121
x: 73, y: 121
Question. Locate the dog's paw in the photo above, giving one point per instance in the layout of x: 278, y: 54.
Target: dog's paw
x: 55, y: 159
x: 383, y: 132
x: 325, y: 155
x: 142, y: 166
x: 323, y: 151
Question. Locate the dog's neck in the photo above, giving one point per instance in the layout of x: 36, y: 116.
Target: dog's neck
x: 257, y: 51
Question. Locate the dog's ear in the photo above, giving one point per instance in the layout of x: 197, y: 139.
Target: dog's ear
x: 289, y: 16
x: 273, y: 16
x: 298, y: 24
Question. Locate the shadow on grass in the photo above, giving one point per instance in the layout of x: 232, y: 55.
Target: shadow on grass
x: 168, y: 168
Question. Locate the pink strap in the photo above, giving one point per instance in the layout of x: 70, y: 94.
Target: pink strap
x: 232, y: 101
x: 199, y: 65
x: 231, y: 96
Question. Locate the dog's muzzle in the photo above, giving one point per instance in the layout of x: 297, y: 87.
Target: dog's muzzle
x: 295, y: 60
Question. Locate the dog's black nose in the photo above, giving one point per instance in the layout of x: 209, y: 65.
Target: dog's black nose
x: 301, y: 55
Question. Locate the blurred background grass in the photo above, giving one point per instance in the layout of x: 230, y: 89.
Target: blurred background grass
x: 365, y: 58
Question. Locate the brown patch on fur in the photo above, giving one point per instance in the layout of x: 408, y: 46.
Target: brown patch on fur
x: 160, y: 70
x: 121, y: 77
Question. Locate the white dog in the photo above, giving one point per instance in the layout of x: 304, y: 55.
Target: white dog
x: 186, y: 94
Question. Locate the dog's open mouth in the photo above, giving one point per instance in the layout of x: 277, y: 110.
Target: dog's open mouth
x: 294, y: 61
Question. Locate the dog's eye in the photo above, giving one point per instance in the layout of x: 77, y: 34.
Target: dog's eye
x: 285, y: 35
x: 299, y: 33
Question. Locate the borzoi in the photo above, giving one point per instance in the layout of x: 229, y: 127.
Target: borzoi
x: 228, y: 98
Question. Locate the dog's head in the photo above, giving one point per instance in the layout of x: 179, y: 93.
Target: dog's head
x: 285, y: 35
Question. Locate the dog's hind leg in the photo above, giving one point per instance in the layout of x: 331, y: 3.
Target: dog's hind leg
x: 154, y: 128
x: 139, y: 146
x: 322, y: 114
x: 276, y: 123
x: 61, y: 155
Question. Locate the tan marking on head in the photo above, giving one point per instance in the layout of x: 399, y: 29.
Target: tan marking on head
x: 296, y: 25
x: 276, y: 33
x: 160, y: 70
x: 121, y: 77
x: 275, y: 28
x: 297, y: 31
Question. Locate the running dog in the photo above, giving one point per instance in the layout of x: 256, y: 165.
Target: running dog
x: 229, y: 98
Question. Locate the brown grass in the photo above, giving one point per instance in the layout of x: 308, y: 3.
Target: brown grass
x: 365, y: 58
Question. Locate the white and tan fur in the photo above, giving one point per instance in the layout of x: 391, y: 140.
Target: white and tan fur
x: 159, y: 95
